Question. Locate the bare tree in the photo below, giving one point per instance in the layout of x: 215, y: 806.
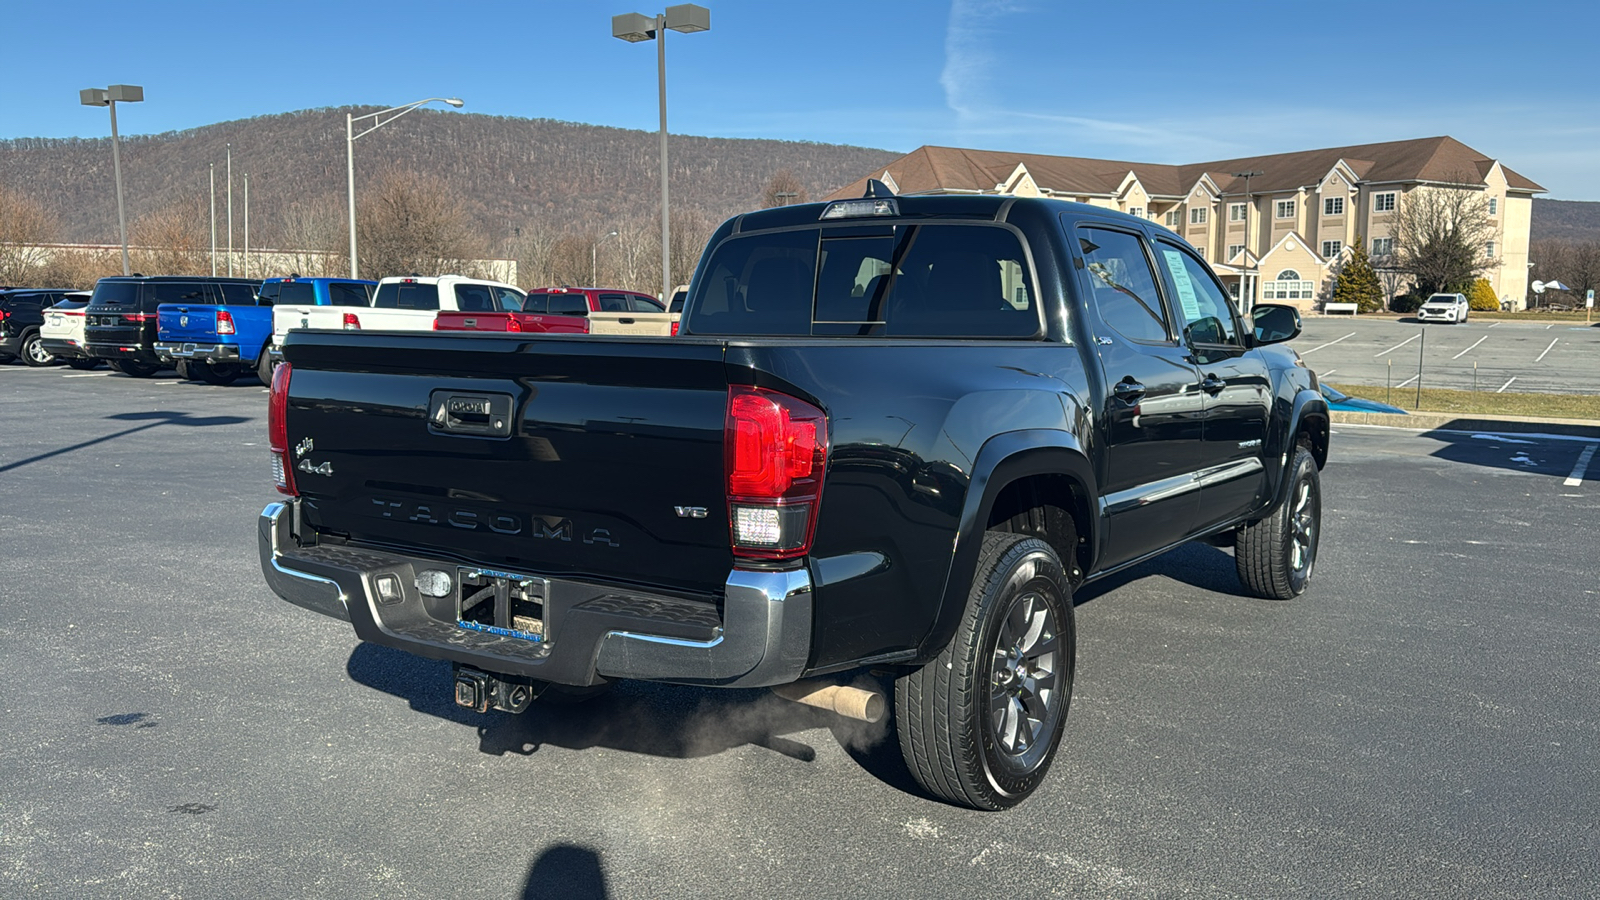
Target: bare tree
x: 690, y: 231
x: 1576, y: 264
x: 638, y: 244
x: 25, y: 226
x: 783, y: 189
x: 1440, y: 234
x: 172, y: 240
x: 409, y: 222
x: 314, y: 239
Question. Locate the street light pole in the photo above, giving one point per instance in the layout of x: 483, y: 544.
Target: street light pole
x: 594, y: 259
x: 246, y: 270
x: 230, y: 210
x: 127, y: 93
x: 211, y: 169
x: 1246, y: 299
x: 686, y: 18
x: 350, y: 137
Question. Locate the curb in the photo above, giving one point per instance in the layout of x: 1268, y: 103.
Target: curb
x: 1426, y: 421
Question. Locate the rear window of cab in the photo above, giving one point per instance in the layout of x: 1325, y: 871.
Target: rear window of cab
x: 904, y: 280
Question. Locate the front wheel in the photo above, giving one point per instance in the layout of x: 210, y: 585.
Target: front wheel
x: 979, y: 724
x: 1275, y: 555
x: 34, y: 353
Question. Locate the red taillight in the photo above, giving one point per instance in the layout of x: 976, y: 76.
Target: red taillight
x: 674, y: 329
x: 224, y: 322
x: 138, y: 318
x: 776, y: 450
x: 351, y: 323
x: 512, y: 324
x: 278, y: 431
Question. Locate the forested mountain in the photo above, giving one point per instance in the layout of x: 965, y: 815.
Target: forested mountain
x: 509, y: 174
x: 1566, y: 220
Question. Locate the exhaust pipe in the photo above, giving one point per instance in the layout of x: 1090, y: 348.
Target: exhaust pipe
x: 850, y: 702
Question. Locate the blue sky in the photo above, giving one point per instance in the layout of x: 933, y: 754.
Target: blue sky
x: 1156, y: 81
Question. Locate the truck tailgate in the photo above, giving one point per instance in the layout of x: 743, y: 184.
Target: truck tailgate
x: 177, y: 322
x: 562, y: 456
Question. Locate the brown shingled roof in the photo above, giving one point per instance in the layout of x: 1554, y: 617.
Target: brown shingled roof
x: 931, y: 168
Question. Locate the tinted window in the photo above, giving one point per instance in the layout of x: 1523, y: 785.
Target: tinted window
x: 269, y: 292
x: 957, y: 281
x: 158, y: 292
x: 344, y: 294
x: 509, y: 300
x: 678, y: 297
x: 297, y: 293
x: 1203, y: 307
x: 614, y: 303
x: 759, y: 284
x: 645, y: 304
x: 1123, y: 287
x: 536, y: 303
x: 115, y: 292
x: 568, y: 305
x: 402, y: 295
x: 238, y: 294
x: 475, y: 298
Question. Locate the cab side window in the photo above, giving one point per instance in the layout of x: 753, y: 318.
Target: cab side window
x: 1202, y: 305
x: 1123, y: 285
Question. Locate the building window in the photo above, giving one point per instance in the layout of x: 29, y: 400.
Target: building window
x: 1233, y: 288
x: 1330, y: 249
x: 1235, y: 212
x: 1175, y: 218
x: 1197, y: 216
x: 1288, y: 286
x: 1382, y: 246
x: 1284, y: 209
x: 1333, y: 206
x: 1383, y: 202
x: 1234, y: 250
x: 1488, y: 249
x: 1494, y: 206
x: 1136, y: 211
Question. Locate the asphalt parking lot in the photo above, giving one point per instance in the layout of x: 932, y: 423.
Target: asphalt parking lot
x: 1421, y: 724
x: 1535, y: 357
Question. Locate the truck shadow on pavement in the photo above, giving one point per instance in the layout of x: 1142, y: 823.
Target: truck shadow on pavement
x: 638, y: 717
x: 1477, y: 444
x: 152, y: 419
x: 566, y: 872
x: 1196, y: 564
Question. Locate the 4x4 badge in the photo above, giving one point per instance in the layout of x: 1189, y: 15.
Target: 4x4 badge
x: 324, y: 469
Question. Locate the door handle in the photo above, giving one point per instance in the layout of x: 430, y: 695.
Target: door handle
x: 1213, y: 385
x: 1128, y: 391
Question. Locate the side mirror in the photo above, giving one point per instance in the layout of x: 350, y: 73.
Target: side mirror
x: 1271, y: 323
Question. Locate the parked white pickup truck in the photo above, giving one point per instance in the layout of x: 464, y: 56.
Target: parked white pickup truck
x: 406, y: 303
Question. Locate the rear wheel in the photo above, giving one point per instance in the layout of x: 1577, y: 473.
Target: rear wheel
x: 134, y: 368
x: 34, y: 353
x: 215, y: 373
x: 1275, y: 555
x: 84, y: 363
x: 264, y: 367
x: 979, y: 724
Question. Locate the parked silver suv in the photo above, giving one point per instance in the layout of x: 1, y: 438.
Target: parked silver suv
x: 1450, y: 308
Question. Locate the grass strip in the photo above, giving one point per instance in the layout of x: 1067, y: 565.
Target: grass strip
x: 1481, y: 403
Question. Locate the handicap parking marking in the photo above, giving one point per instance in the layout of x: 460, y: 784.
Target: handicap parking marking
x: 1581, y: 468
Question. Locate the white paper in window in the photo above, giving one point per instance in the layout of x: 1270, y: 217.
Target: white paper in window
x: 1180, y: 277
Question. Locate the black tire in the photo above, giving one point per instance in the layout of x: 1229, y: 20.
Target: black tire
x: 215, y: 373
x: 978, y: 725
x: 34, y: 353
x: 84, y: 363
x: 264, y: 367
x: 6, y: 358
x: 135, y: 369
x: 1275, y: 556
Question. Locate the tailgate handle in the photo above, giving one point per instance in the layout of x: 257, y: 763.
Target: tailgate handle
x: 470, y: 414
x: 624, y: 321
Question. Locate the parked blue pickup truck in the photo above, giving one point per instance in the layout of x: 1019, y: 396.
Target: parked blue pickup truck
x: 220, y: 343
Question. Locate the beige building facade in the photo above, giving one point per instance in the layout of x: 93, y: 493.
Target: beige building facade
x: 1278, y: 235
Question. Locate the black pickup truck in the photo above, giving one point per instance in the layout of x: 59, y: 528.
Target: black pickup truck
x: 894, y: 432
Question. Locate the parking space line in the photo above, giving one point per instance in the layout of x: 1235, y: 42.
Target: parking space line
x: 1546, y: 350
x: 88, y: 375
x: 1406, y: 382
x: 1576, y: 478
x: 1493, y: 324
x: 1397, y: 346
x: 1327, y: 373
x: 1469, y: 349
x: 1328, y: 344
x: 1506, y: 385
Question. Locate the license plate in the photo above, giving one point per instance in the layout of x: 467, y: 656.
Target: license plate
x: 501, y: 603
x: 55, y: 321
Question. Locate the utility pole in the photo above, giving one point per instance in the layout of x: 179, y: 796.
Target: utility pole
x: 211, y: 169
x: 246, y: 271
x: 1246, y: 299
x: 230, y: 210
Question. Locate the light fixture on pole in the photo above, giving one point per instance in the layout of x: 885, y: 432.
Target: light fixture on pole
x: 1246, y: 297
x: 634, y: 27
x: 783, y: 197
x: 594, y: 257
x: 125, y: 93
x: 350, y: 135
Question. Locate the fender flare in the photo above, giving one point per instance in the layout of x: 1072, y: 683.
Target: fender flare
x: 1310, y: 411
x: 1002, y: 460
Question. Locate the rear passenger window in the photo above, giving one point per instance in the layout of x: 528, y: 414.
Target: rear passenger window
x: 344, y: 294
x: 645, y: 304
x: 238, y: 294
x: 614, y: 303
x: 1122, y: 284
x: 474, y: 298
x: 509, y: 300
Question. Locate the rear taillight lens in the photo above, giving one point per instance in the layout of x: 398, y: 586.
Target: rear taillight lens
x: 278, y: 431
x: 776, y: 450
x: 512, y: 324
x: 674, y: 329
x: 224, y: 322
x: 351, y: 323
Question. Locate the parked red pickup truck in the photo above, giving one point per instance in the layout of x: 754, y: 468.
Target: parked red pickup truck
x: 569, y: 310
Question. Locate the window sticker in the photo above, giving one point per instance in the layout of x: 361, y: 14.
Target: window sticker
x: 1180, y: 277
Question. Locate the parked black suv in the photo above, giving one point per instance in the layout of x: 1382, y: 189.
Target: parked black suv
x: 21, y: 314
x: 121, y: 325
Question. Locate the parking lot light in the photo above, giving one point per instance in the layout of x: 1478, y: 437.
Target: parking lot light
x: 126, y: 93
x: 350, y: 135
